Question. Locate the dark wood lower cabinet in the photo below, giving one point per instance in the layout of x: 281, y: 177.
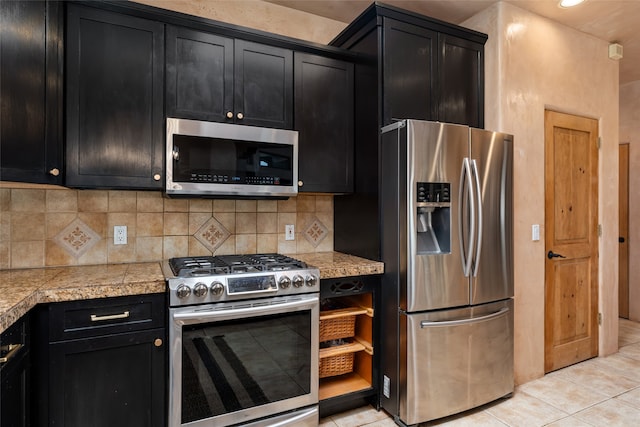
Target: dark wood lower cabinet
x: 101, y: 362
x: 349, y: 339
x: 15, y: 375
x: 116, y: 380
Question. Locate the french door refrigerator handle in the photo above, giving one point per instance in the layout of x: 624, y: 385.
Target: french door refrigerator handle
x: 476, y: 176
x: 465, y: 176
x: 427, y: 324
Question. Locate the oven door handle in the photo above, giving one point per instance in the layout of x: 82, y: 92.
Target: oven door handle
x: 221, y: 312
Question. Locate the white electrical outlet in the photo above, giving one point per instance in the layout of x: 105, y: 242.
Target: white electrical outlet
x: 289, y: 232
x: 119, y: 234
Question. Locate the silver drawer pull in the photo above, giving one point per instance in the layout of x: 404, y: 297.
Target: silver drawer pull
x: 96, y: 318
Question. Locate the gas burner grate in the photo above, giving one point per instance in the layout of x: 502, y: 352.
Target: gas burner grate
x: 226, y: 264
x: 197, y: 266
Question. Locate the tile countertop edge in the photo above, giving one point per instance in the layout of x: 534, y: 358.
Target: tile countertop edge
x: 27, y: 288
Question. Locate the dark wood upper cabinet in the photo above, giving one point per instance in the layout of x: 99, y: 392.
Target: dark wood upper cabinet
x: 217, y: 78
x: 409, y: 64
x: 460, y: 74
x: 324, y: 91
x: 417, y: 68
x: 31, y: 84
x: 114, y: 105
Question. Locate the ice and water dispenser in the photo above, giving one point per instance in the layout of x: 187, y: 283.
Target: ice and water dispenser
x: 433, y: 218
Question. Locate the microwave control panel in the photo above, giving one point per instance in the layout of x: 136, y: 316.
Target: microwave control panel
x: 226, y: 179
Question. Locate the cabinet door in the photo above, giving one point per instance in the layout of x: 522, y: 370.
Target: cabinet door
x: 461, y: 81
x: 324, y: 119
x: 263, y: 85
x: 199, y: 75
x: 409, y: 66
x: 31, y: 108
x: 115, y: 86
x: 15, y: 407
x: 116, y: 380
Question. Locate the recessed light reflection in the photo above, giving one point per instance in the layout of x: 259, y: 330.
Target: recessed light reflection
x: 569, y: 3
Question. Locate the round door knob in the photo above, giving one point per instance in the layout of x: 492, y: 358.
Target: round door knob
x: 284, y: 282
x: 157, y: 342
x: 311, y: 280
x: 298, y: 281
x: 200, y: 289
x: 300, y: 183
x: 240, y: 116
x: 183, y: 291
x: 54, y: 172
x: 229, y: 115
x: 156, y: 177
x: 217, y: 288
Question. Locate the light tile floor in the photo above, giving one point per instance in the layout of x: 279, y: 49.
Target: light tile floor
x: 604, y: 391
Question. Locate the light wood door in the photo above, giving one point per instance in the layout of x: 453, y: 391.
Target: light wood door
x: 623, y: 254
x: 571, y: 239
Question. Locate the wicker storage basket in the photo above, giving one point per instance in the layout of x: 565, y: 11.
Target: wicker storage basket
x: 336, y: 365
x: 340, y: 323
x: 336, y: 328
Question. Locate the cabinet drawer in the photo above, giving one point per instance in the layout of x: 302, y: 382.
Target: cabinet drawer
x: 86, y: 318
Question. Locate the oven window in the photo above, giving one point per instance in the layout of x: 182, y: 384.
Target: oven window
x: 233, y: 365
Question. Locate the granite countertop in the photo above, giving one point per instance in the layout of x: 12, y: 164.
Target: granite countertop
x: 21, y: 290
x: 336, y: 264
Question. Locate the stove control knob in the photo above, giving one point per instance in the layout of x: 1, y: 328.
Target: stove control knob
x: 298, y: 281
x: 200, y: 289
x: 284, y: 282
x: 217, y: 288
x: 311, y: 280
x: 183, y: 291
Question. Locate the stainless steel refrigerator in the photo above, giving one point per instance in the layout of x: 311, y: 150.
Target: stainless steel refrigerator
x: 447, y: 309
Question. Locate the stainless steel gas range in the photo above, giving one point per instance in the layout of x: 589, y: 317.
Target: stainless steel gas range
x: 243, y: 334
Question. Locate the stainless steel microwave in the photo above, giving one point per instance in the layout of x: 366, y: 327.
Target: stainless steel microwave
x: 226, y: 160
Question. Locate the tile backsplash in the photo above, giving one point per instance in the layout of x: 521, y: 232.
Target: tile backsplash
x: 59, y: 227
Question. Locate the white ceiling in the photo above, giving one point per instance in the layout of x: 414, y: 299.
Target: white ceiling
x: 612, y: 20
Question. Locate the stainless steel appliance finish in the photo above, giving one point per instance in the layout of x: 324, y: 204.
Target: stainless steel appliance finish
x: 447, y: 247
x: 227, y: 160
x: 243, y: 334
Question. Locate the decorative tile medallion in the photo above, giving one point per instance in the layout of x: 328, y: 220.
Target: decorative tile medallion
x: 77, y: 238
x: 212, y: 234
x: 315, y: 232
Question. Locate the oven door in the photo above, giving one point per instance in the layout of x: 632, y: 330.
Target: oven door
x: 232, y: 363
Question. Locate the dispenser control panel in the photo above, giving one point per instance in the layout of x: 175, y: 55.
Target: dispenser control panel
x: 434, y: 192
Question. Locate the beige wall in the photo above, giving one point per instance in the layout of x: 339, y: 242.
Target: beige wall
x: 630, y: 132
x: 259, y: 15
x: 533, y: 64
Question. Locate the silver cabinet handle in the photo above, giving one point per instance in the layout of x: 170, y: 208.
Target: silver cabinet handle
x: 426, y: 323
x: 54, y: 172
x: 229, y: 115
x: 156, y: 177
x: 300, y: 183
x: 13, y: 350
x: 240, y: 116
x: 96, y: 318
